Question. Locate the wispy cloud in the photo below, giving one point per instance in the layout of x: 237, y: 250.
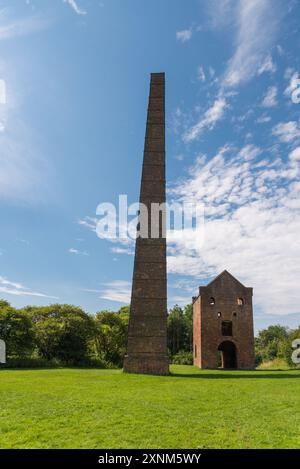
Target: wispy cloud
x: 201, y: 74
x: 116, y: 290
x: 256, y: 27
x: 208, y: 120
x: 73, y: 4
x: 270, y: 98
x: 17, y: 289
x: 267, y: 66
x: 184, y: 35
x: 89, y: 222
x: 263, y: 119
x: 2, y: 91
x: 78, y: 252
x: 120, y: 250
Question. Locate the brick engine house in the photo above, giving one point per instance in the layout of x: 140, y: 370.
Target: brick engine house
x: 223, y: 324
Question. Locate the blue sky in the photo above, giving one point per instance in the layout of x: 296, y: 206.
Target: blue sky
x: 74, y: 80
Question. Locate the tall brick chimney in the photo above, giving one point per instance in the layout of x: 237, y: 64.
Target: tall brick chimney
x: 147, y: 335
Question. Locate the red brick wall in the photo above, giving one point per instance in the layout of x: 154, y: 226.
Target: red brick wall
x: 197, y: 332
x: 208, y: 326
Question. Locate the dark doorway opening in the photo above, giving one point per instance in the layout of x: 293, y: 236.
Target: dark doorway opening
x: 228, y: 354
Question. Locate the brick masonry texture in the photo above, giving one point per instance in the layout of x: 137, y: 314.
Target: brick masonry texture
x: 227, y: 292
x: 147, y: 333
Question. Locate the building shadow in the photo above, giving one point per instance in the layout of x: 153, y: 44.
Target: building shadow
x: 229, y: 374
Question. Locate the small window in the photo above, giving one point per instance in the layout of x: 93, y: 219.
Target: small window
x: 240, y: 301
x: 227, y: 328
x: 219, y: 315
x: 195, y: 351
x: 234, y: 315
x: 212, y: 301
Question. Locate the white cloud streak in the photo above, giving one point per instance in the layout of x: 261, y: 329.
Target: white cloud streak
x: 17, y: 289
x: 184, y: 35
x: 256, y: 24
x: 73, y: 4
x: 201, y: 74
x: 77, y: 252
x: 116, y: 290
x: 208, y: 121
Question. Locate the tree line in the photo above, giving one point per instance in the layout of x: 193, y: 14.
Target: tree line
x: 65, y: 335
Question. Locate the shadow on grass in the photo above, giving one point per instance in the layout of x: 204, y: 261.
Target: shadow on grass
x: 233, y: 374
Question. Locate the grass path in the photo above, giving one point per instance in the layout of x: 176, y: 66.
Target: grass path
x: 72, y: 408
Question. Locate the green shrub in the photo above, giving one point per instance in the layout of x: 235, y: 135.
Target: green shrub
x: 182, y: 358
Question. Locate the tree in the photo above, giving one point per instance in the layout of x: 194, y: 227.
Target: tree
x: 62, y: 332
x: 16, y: 330
x: 271, y: 343
x: 188, y: 315
x: 287, y: 349
x: 3, y: 303
x: 111, y: 335
x: 176, y: 330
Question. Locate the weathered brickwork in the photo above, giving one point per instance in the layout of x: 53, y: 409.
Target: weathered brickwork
x: 147, y: 334
x: 223, y: 324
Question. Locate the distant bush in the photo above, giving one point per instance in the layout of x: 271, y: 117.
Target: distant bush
x: 182, y: 358
x: 273, y: 347
x: 276, y: 364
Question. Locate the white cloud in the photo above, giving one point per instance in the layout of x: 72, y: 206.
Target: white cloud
x: 117, y: 290
x: 269, y: 99
x: 287, y: 132
x: 77, y: 252
x: 295, y: 154
x: 294, y: 82
x: 280, y: 50
x: 208, y: 121
x: 89, y: 222
x: 17, y: 289
x: 220, y: 13
x: 201, y: 74
x: 184, y: 35
x: 256, y: 26
x: 263, y: 119
x: 119, y: 250
x: 2, y: 91
x: 267, y: 66
x: 73, y: 4
x: 252, y: 223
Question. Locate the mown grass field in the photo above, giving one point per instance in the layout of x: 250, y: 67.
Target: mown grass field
x: 75, y: 408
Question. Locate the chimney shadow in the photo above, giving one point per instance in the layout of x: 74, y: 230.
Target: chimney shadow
x: 229, y: 374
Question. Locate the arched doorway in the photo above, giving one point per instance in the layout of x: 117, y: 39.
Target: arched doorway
x: 228, y: 354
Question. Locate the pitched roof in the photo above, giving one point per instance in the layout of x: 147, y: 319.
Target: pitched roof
x: 225, y: 272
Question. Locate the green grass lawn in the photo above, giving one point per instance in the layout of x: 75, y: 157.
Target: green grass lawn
x: 75, y: 408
